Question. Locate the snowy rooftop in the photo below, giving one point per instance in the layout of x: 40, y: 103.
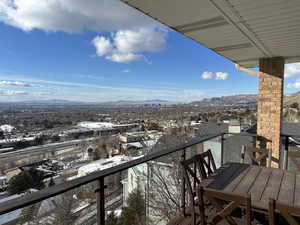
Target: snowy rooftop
x: 6, y: 128
x: 56, y: 144
x: 139, y: 144
x: 104, y: 164
x: 96, y: 125
x: 13, y: 140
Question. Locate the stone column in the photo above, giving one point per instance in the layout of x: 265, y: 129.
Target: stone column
x: 269, y: 109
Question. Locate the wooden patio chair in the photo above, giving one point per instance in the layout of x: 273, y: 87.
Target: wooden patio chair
x: 258, y: 156
x: 290, y: 214
x: 224, y: 204
x: 192, y: 175
x: 207, y: 165
x: 195, y: 170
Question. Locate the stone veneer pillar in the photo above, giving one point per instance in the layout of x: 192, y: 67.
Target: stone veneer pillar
x: 269, y: 109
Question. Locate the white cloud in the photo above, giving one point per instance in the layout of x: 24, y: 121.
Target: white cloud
x: 16, y: 83
x: 151, y: 40
x: 294, y: 85
x: 291, y: 70
x: 216, y: 76
x: 94, y: 92
x: 102, y: 45
x: 125, y: 71
x: 12, y: 92
x: 41, y: 94
x: 126, y: 46
x: 221, y: 76
x: 124, y: 57
x: 208, y: 75
x: 71, y: 15
x: 132, y: 32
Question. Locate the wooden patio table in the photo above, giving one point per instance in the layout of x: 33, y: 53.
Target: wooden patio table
x: 260, y: 182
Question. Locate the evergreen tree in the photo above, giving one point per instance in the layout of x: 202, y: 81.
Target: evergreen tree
x: 112, y: 219
x: 135, y: 211
x: 25, y: 180
x: 51, y: 183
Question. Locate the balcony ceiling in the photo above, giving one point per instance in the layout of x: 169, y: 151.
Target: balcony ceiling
x: 241, y: 30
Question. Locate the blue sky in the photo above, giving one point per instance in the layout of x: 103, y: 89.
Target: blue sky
x: 56, y: 50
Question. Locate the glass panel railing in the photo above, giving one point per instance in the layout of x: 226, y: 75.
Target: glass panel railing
x: 214, y: 145
x: 233, y: 145
x: 76, y: 206
x: 292, y: 155
x: 151, y: 191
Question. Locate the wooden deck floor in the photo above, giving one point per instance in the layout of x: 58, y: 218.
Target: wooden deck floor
x: 260, y: 182
x: 179, y: 219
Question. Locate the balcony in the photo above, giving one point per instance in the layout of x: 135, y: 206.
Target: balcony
x: 89, y: 196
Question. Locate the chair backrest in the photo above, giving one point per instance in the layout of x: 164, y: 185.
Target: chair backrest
x: 225, y: 204
x: 290, y: 213
x: 207, y: 165
x: 258, y: 156
x: 196, y: 169
x: 191, y: 173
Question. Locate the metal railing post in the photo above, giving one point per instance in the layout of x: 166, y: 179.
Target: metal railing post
x: 254, y: 144
x: 269, y: 158
x: 285, y: 153
x: 254, y: 141
x: 243, y: 154
x: 222, y: 149
x: 183, y: 157
x: 100, y: 201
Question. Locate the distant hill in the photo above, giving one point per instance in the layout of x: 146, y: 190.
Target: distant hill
x: 245, y: 99
x: 51, y: 102
x: 291, y: 98
x: 142, y: 102
x: 67, y: 102
x: 230, y: 100
x: 227, y: 100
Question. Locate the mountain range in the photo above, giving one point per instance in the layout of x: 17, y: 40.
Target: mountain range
x: 244, y: 99
x: 240, y: 99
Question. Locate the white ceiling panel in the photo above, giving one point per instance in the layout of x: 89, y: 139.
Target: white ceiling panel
x: 240, y: 30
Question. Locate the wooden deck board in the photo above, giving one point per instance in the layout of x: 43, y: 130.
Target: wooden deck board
x: 273, y: 186
x: 259, y: 184
x: 287, y: 189
x: 247, y: 181
x: 230, y: 187
x: 226, y: 175
x: 297, y: 190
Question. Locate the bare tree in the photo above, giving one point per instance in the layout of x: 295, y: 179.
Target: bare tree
x: 104, y: 146
x: 64, y: 205
x: 87, y: 192
x: 164, y: 193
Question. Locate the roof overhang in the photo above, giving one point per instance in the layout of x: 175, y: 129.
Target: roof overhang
x: 243, y: 31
